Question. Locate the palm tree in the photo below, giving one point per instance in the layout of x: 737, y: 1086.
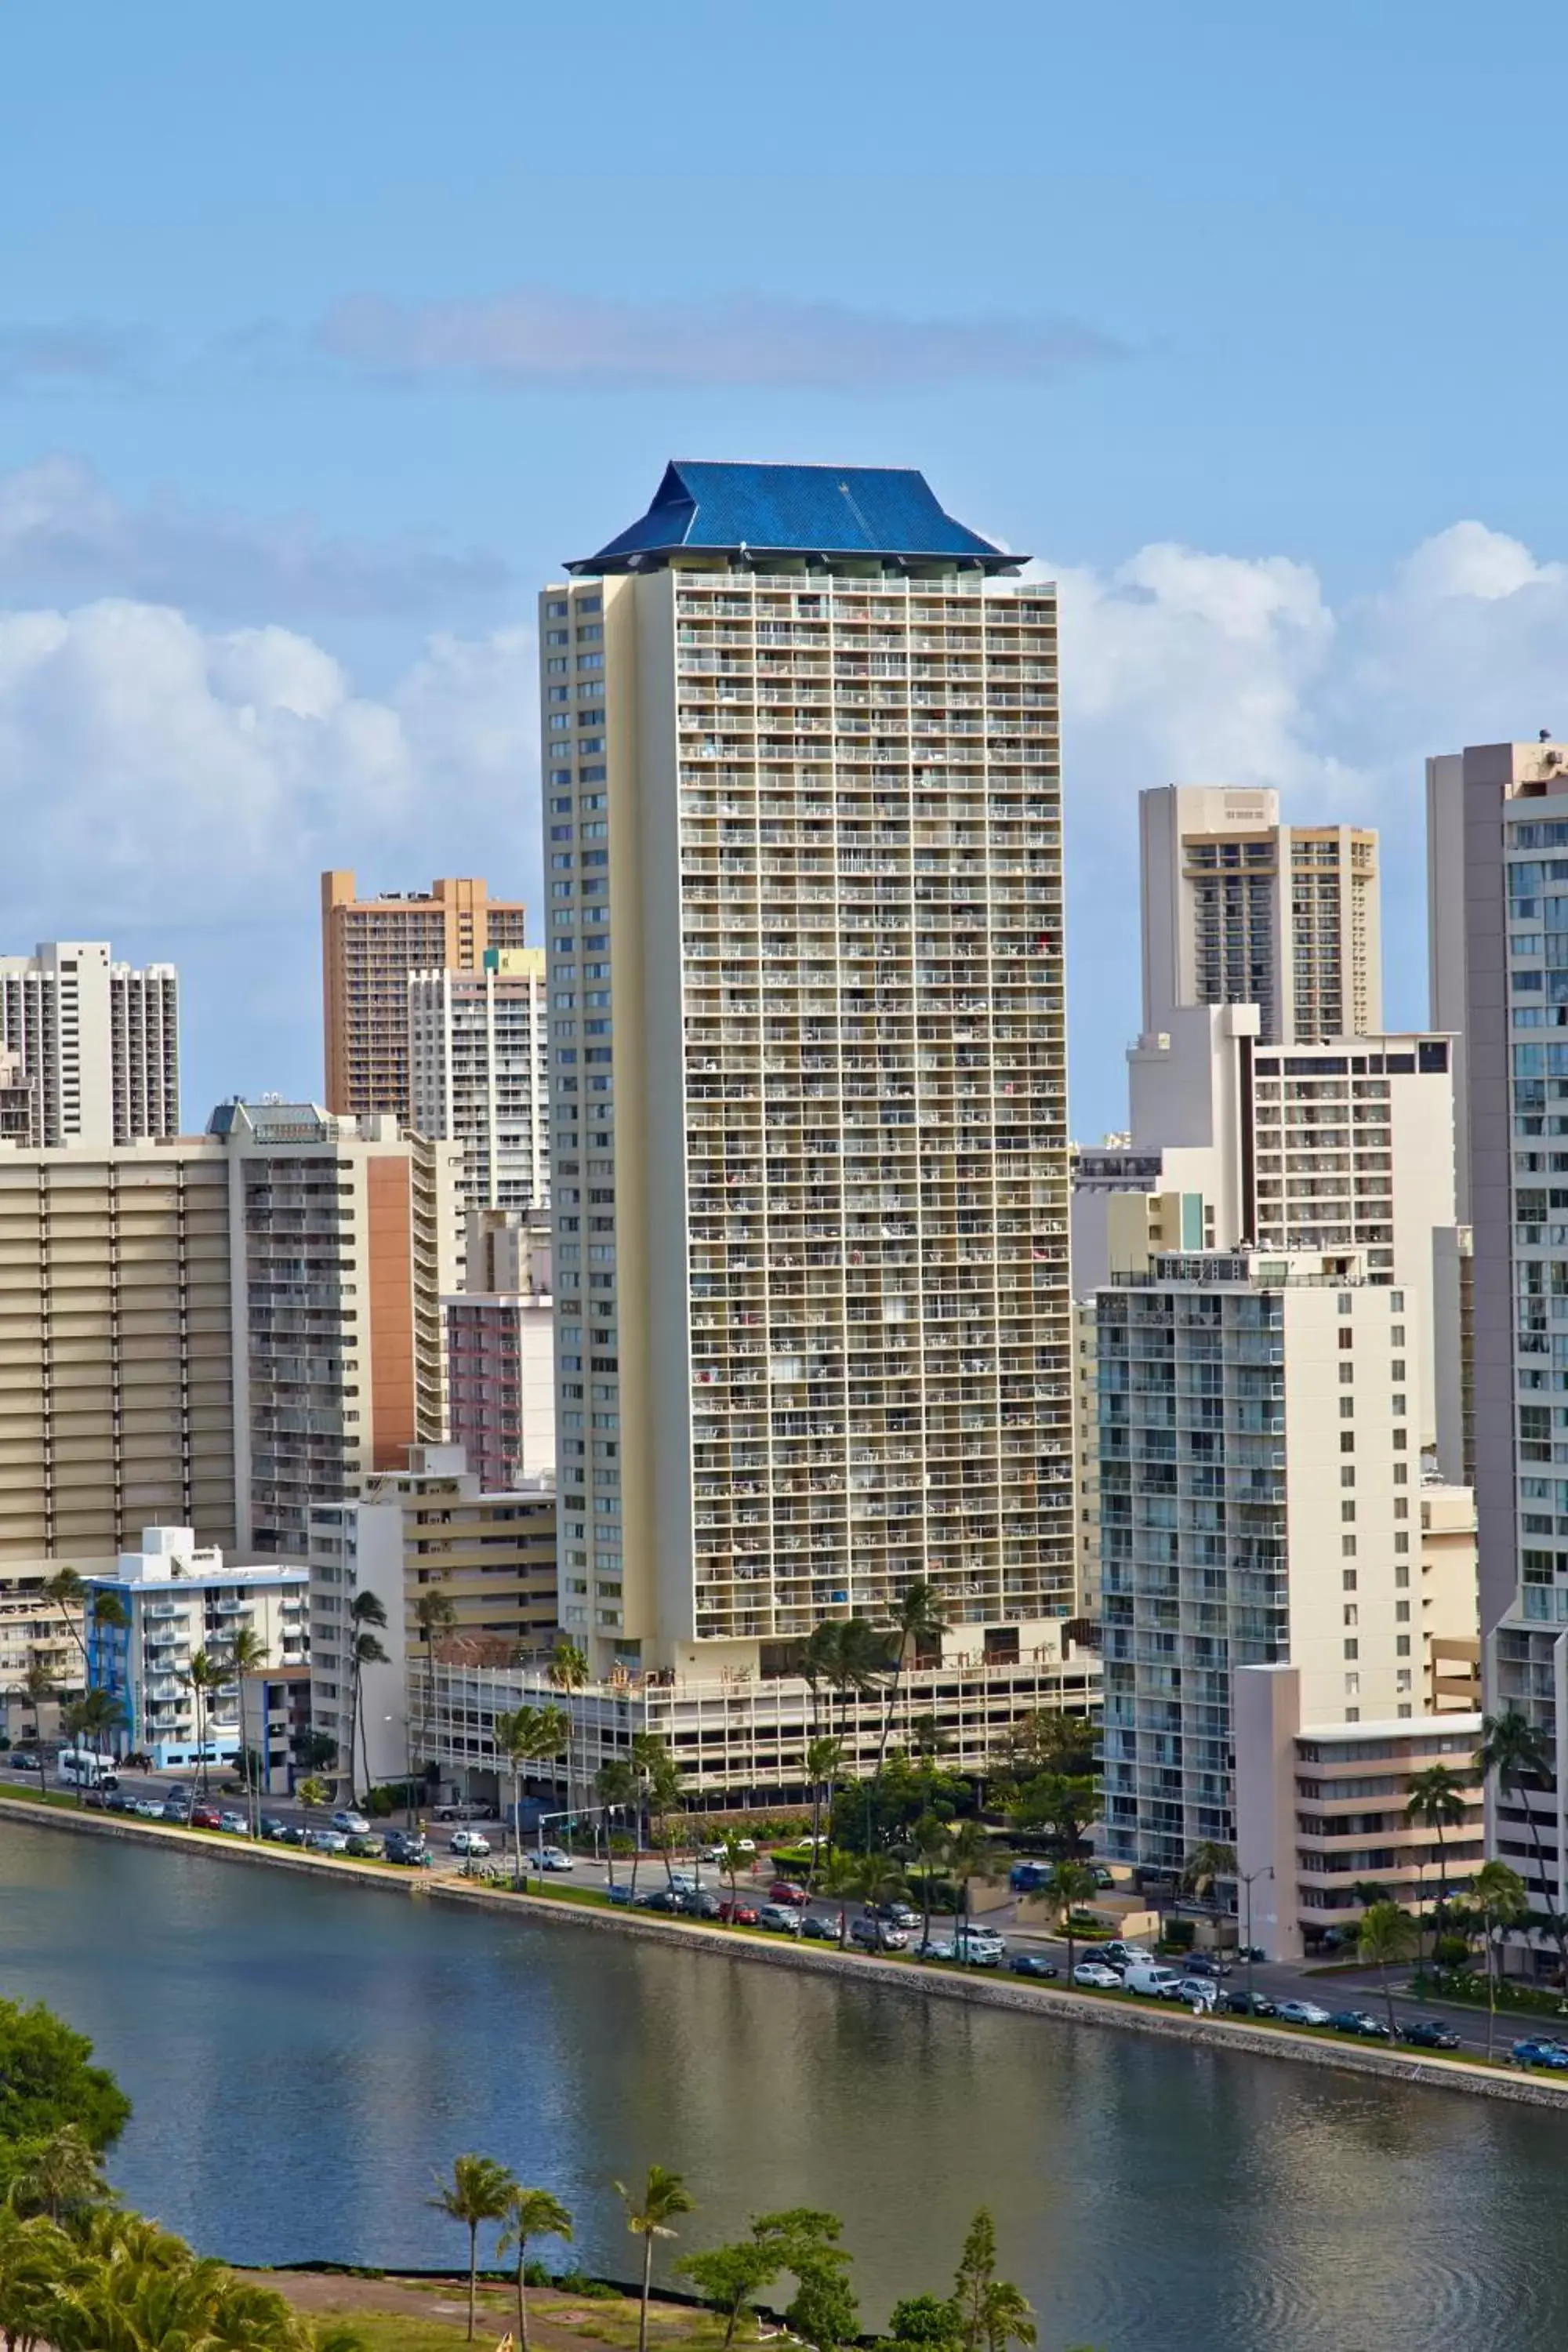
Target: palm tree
x: 367, y: 1617
x: 928, y: 1845
x: 1517, y: 1755
x: 204, y: 1678
x: 819, y: 1662
x: 530, y: 1734
x: 248, y: 1653
x: 664, y: 2195
x: 916, y: 1617
x: 1070, y: 1885
x: 968, y: 1852
x: 530, y: 2213
x: 1387, y: 1937
x: 1501, y: 1901
x: 861, y: 1663
x: 71, y: 1593
x: 39, y: 1687
x: 568, y: 1672
x: 36, y: 2258
x: 1436, y: 1802
x: 480, y: 2190
x: 732, y: 1859
x: 617, y: 1785
x: 1205, y: 1865
x: 658, y: 1776
x: 58, y: 2175
x: 823, y: 1758
x: 436, y: 1614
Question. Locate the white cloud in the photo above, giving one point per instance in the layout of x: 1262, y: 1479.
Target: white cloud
x: 544, y: 335
x: 63, y: 533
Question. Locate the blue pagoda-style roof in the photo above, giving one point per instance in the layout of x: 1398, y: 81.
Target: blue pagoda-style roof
x: 823, y: 510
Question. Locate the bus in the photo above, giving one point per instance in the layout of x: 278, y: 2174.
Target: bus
x: 83, y: 1767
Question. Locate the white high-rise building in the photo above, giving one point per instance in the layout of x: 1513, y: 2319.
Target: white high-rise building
x: 804, y: 851
x: 1498, y: 852
x: 1238, y: 909
x: 477, y: 1061
x: 1259, y: 1498
x: 98, y: 1041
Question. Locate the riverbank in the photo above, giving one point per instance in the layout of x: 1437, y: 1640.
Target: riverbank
x: 1064, y: 2005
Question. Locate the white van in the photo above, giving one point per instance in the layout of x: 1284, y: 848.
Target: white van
x: 1153, y: 1978
x: 83, y: 1767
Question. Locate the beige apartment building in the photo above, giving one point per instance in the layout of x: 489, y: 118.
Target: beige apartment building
x: 369, y: 946
x: 1238, y: 909
x: 479, y: 1062
x: 97, y: 1042
x: 210, y: 1332
x: 808, y: 1074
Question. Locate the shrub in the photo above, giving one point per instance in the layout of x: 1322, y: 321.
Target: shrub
x: 1179, y: 1935
x: 1452, y: 1952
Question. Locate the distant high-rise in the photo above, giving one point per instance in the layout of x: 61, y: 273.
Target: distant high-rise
x: 479, y: 1057
x: 369, y: 946
x: 97, y: 1044
x: 808, y: 1073
x: 1240, y: 909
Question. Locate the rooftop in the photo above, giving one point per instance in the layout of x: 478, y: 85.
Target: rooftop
x: 811, y: 510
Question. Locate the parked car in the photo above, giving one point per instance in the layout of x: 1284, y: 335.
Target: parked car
x: 821, y: 1931
x: 1197, y: 1992
x: 1154, y: 1979
x: 1302, y: 2012
x: 876, y: 1936
x: 1206, y: 1964
x: 271, y: 1827
x: 784, y: 1890
x: 1242, y: 2003
x: 1103, y: 1874
x: 352, y: 1822
x: 461, y: 1809
x: 1539, y: 2053
x: 1028, y: 1877
x: 119, y: 1800
x: 1122, y: 1956
x: 153, y: 1809
x: 738, y: 1913
x: 1360, y: 2022
x: 979, y: 1947
x: 1031, y: 1964
x: 935, y: 1948
x: 292, y: 1833
x: 1096, y: 1975
x: 326, y: 1841
x: 621, y: 1892
x: 897, y: 1915
x: 205, y: 1817
x: 23, y: 1759
x: 550, y: 1857
x: 234, y: 1824
x: 779, y: 1916
x: 406, y: 1846
x: 472, y: 1843
x: 1428, y: 2033
x: 173, y: 1809
x: 703, y: 1904
x: 366, y: 1846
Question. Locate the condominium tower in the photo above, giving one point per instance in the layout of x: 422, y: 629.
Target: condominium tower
x: 97, y: 1044
x: 369, y: 946
x: 803, y: 820
x: 1238, y: 909
x: 478, y: 1044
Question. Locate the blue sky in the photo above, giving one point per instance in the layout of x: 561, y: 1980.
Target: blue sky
x: 325, y: 333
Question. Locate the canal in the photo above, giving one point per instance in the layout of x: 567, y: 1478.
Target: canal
x: 303, y: 2057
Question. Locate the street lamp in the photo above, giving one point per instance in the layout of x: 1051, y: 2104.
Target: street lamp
x: 1264, y: 1870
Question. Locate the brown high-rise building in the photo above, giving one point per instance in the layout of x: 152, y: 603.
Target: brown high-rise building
x: 369, y: 946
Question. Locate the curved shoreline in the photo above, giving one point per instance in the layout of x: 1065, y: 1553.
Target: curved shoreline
x: 1251, y: 2040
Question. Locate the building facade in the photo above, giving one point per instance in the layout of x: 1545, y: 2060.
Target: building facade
x: 1321, y: 1812
x: 179, y: 1598
x: 501, y: 1382
x: 98, y: 1042
x: 1259, y: 1504
x: 369, y: 946
x: 1238, y: 909
x: 802, y: 819
x: 479, y: 1069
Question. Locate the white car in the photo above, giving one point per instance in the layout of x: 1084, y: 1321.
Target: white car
x: 351, y: 1823
x: 546, y: 1857
x: 1094, y: 1974
x: 469, y: 1842
x: 981, y: 1949
x: 1302, y: 2012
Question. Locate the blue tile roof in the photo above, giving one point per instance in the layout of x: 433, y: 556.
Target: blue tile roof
x: 794, y: 509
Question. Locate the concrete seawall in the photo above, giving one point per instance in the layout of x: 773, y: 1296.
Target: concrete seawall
x: 979, y: 1990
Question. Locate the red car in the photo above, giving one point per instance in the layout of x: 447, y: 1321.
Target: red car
x: 205, y: 1817
x: 739, y: 1915
x: 784, y: 1890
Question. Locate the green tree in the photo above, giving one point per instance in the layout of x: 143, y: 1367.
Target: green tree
x: 923, y: 2319
x: 246, y: 1655
x: 1060, y: 1802
x: 39, y: 1687
x: 436, y: 1615
x: 1069, y: 1886
x: 46, y: 2080
x: 1517, y: 1757
x: 860, y: 1666
x: 367, y: 1622
x: 87, y: 1722
x: 616, y: 1785
x: 662, y: 2196
x: 989, y: 2312
x: 36, y: 2259
x: 1208, y: 1861
x: 204, y: 1679
x: 732, y: 1859
x: 732, y: 2278
x: 60, y: 2175
x: 917, y: 1621
x: 659, y: 1775
x: 568, y: 1673
x: 1386, y: 1938
x: 927, y: 1850
x: 1501, y: 1903
x: 530, y: 1734
x: 824, y: 1757
x: 531, y: 2213
x: 824, y: 2312
x: 480, y: 2190
x: 968, y: 1858
x: 315, y: 1751
x: 1049, y: 1742
x: 1436, y: 1802
x: 313, y: 1793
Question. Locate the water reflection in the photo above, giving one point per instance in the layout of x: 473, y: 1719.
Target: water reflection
x: 302, y: 2058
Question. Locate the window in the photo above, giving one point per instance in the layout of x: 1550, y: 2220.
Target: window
x: 1347, y: 1305
x: 1347, y: 1404
x: 1402, y: 1612
x: 1402, y: 1646
x: 1396, y: 1304
x: 1347, y: 1333
x: 1347, y: 1477
x: 1350, y: 1616
x: 1347, y: 1374
x: 557, y: 637
x: 1347, y: 1441
x: 556, y: 609
x: 1347, y: 1510
x: 1401, y: 1579
x: 1347, y: 1547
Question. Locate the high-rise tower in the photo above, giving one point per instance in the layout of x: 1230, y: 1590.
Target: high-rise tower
x: 98, y: 1042
x: 1241, y: 909
x: 802, y: 839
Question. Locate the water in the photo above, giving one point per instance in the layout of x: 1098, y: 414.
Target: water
x: 302, y: 2058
